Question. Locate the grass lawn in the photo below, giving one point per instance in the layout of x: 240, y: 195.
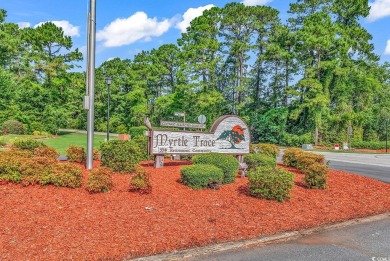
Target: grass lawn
x: 11, y: 137
x: 60, y: 142
x: 63, y: 141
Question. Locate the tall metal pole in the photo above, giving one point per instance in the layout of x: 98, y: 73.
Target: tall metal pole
x: 91, y: 40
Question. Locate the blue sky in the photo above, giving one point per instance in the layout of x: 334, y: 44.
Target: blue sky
x: 125, y: 27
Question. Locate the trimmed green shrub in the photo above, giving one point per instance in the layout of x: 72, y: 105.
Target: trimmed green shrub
x: 140, y: 181
x: 270, y: 183
x: 137, y: 131
x: 66, y: 175
x: 96, y: 155
x: 306, y: 159
x: 10, y: 167
x: 290, y: 157
x: 2, y: 142
x: 46, y: 152
x: 316, y: 176
x: 37, y: 170
x: 76, y: 154
x: 28, y: 144
x: 122, y: 155
x: 227, y: 163
x: 265, y: 148
x: 100, y: 180
x: 256, y: 160
x: 201, y: 176
x: 12, y: 127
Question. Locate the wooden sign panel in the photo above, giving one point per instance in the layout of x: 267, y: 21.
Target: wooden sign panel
x: 182, y: 124
x: 229, y: 134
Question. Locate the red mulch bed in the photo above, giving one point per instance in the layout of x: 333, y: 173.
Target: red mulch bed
x: 50, y: 223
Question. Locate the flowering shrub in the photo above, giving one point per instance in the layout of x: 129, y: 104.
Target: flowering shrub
x: 10, y: 167
x: 140, y: 181
x: 66, y: 175
x: 290, y: 156
x: 96, y: 155
x: 100, y: 180
x: 316, y: 176
x: 306, y: 159
x: 265, y: 148
x: 76, y: 154
x: 270, y: 183
x: 36, y: 170
x: 46, y: 152
x: 201, y: 176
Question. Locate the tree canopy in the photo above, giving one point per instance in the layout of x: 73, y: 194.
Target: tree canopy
x: 305, y: 80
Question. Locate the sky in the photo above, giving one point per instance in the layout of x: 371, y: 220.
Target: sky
x: 126, y: 27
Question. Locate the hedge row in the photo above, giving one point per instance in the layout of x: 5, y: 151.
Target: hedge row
x: 28, y: 169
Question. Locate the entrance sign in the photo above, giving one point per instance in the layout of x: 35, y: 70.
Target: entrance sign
x: 181, y: 124
x: 229, y: 134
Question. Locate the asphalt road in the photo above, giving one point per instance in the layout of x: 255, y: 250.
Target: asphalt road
x: 365, y: 242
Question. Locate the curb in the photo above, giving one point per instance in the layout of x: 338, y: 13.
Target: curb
x: 281, y: 237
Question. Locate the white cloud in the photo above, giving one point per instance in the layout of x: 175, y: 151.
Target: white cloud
x: 387, y: 49
x: 255, y: 2
x: 190, y: 15
x: 68, y: 28
x: 23, y: 24
x: 379, y: 9
x: 129, y: 30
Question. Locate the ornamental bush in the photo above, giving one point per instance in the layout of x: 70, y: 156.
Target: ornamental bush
x: 37, y: 171
x: 2, y: 142
x: 12, y: 127
x: 201, y: 176
x: 66, y: 175
x: 10, y: 167
x: 316, y: 176
x: 306, y: 159
x: 46, y: 152
x: 227, y: 163
x: 256, y: 160
x: 137, y: 131
x: 122, y: 155
x: 140, y: 181
x: 265, y: 148
x: 100, y: 180
x: 290, y: 156
x: 28, y: 144
x: 76, y: 154
x: 270, y: 183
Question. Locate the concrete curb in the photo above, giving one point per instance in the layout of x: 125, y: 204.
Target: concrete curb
x: 282, y: 237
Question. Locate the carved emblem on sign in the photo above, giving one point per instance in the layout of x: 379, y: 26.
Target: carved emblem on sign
x: 234, y: 136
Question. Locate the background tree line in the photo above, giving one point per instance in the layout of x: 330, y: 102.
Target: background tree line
x: 300, y: 81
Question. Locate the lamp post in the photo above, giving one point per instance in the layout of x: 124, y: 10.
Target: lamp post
x: 387, y: 132
x: 108, y: 82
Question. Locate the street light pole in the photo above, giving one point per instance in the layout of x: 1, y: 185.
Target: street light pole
x: 387, y: 132
x: 108, y: 81
x: 90, y: 98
